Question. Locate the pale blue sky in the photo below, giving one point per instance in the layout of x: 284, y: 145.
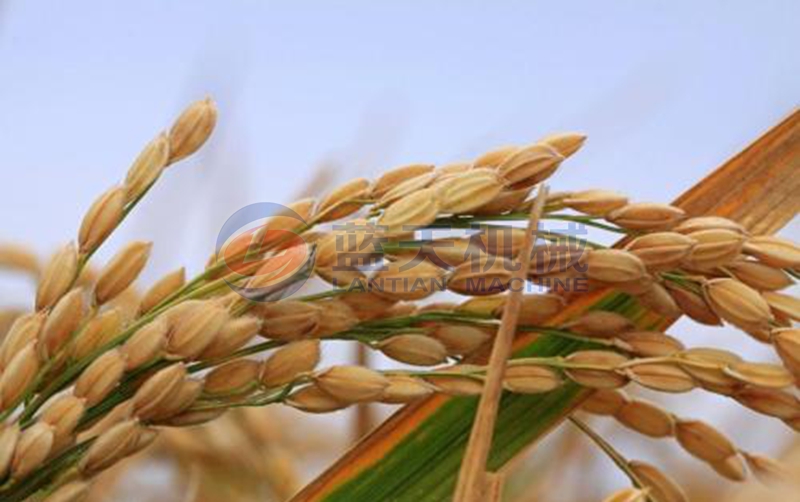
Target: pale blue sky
x: 665, y: 91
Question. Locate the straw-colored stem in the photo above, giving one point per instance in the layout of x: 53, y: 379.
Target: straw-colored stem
x: 472, y: 478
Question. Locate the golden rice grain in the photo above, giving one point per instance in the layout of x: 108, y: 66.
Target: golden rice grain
x: 63, y: 415
x: 646, y: 418
x: 760, y: 374
x: 658, y: 299
x: 97, y: 332
x: 9, y: 436
x: 565, y: 143
x: 600, y: 323
x: 530, y: 165
x: 706, y: 366
x: 101, y: 219
x: 162, y: 289
x: 488, y: 275
x: 119, y: 413
x: 737, y: 303
x: 504, y: 202
x: 760, y: 276
x: 287, y: 220
x: 774, y: 251
x: 483, y: 305
x: 783, y: 304
x: 401, y: 309
x: 787, y: 344
x: 418, y: 350
x: 495, y: 157
x: 352, y: 384
x: 110, y: 447
x: 506, y: 242
x: 121, y: 271
x: 536, y: 309
x: 195, y: 329
x: 342, y: 277
x: 646, y: 216
x: 468, y: 191
x: 661, y: 377
x: 703, y: 441
x: 455, y: 167
x: 663, y: 489
x: 7, y: 318
x: 530, y: 379
x: 405, y: 389
x: 233, y: 335
x: 455, y: 385
x: 413, y: 211
x: 614, y: 266
x: 340, y: 202
x: 100, y: 377
x: 605, y: 402
x: 627, y: 495
x: 557, y: 257
x: 652, y: 343
x: 33, y: 446
x: 661, y: 250
x: 18, y: 375
x: 147, y: 167
x: 57, y: 276
x: 180, y: 399
x: 146, y: 344
x: 460, y: 339
x: 604, y: 376
x: 289, y: 319
x: 700, y: 223
x: 713, y: 248
x: 74, y: 491
x: 595, y: 202
x: 772, y: 402
x: 157, y: 390
x: 62, y: 321
x: 450, y: 251
x: 693, y: 305
x: 312, y: 399
x: 236, y: 377
x: 408, y: 281
x: 367, y: 305
x: 191, y: 129
x: 395, y: 176
x: 24, y: 331
x: 286, y: 363
x: 732, y: 468
x: 407, y: 187
x: 335, y: 316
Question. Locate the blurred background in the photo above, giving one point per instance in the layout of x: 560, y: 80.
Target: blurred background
x: 311, y: 94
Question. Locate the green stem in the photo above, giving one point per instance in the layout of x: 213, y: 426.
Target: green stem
x: 20, y: 490
x: 589, y: 221
x: 321, y: 296
x: 247, y: 351
x: 683, y: 281
x: 610, y: 452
